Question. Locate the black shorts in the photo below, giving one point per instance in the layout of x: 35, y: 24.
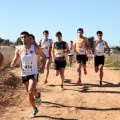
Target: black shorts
x: 59, y: 64
x: 98, y: 60
x: 27, y: 78
x: 81, y: 59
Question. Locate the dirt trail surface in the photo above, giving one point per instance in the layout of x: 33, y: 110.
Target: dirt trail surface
x: 87, y: 101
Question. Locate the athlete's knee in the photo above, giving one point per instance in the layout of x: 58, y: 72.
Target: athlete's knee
x: 31, y: 90
x: 96, y: 70
x: 57, y: 73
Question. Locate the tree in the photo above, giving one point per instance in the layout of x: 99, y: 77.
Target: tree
x: 18, y: 42
x: 90, y: 41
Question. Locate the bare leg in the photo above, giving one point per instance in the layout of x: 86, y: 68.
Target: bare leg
x: 31, y: 89
x: 62, y: 75
x: 47, y: 71
x: 101, y: 73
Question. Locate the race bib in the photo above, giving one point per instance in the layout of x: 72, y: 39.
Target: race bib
x: 71, y: 52
x: 79, y: 45
x: 58, y: 53
x: 27, y: 67
x: 100, y: 53
x: 81, y: 51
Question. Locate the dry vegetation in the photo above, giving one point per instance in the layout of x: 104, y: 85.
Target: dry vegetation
x: 113, y: 61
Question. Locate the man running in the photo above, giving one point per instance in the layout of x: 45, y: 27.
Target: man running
x: 33, y: 42
x: 59, y: 50
x: 71, y: 54
x: 99, y: 58
x: 27, y: 54
x: 46, y: 46
x: 81, y: 46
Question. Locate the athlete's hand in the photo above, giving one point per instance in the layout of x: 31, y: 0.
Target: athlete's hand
x: 12, y: 65
x: 41, y: 71
x: 53, y: 60
x: 45, y: 47
x: 108, y: 53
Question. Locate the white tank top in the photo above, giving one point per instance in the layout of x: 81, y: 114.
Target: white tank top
x: 99, y: 50
x: 45, y: 43
x: 28, y: 61
x: 71, y: 50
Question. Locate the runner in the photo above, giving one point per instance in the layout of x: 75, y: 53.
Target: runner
x: 46, y: 46
x: 32, y: 39
x: 81, y: 46
x: 27, y: 54
x: 99, y: 58
x: 59, y: 50
x: 33, y: 42
x: 71, y: 54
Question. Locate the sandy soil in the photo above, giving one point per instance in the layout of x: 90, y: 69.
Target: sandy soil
x: 87, y: 101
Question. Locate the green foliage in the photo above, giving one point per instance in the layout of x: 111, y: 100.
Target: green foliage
x: 5, y: 42
x: 116, y: 48
x: 90, y: 41
x: 18, y: 42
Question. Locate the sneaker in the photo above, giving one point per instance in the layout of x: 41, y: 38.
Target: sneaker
x: 79, y: 80
x: 101, y: 83
x: 38, y: 100
x: 61, y: 87
x: 85, y: 72
x: 34, y: 112
x: 45, y: 81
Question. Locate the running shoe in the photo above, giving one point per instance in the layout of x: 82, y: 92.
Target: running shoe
x: 101, y: 83
x: 79, y: 80
x: 38, y: 100
x: 34, y: 112
x: 45, y: 81
x: 61, y: 87
x: 85, y: 72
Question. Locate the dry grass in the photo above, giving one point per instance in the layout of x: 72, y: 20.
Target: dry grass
x: 113, y: 61
x: 8, y: 54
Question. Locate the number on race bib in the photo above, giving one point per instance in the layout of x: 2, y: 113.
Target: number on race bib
x: 27, y: 67
x: 100, y: 53
x: 59, y: 53
x: 81, y: 51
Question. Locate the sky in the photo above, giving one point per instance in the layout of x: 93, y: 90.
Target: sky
x: 66, y: 16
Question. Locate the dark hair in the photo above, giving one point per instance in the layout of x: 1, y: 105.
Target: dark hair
x: 33, y: 37
x: 46, y: 31
x: 58, y: 34
x: 80, y: 29
x: 99, y: 32
x: 71, y: 41
x: 24, y: 32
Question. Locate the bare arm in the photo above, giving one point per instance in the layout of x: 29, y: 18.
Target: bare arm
x: 52, y: 52
x: 87, y: 45
x: 51, y: 43
x: 67, y: 47
x: 108, y: 49
x: 39, y: 52
x: 93, y: 48
x: 75, y: 47
x: 15, y: 59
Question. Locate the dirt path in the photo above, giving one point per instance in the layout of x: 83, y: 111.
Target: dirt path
x: 83, y: 102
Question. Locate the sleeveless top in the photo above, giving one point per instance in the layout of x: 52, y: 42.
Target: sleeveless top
x: 71, y: 50
x: 80, y: 46
x: 59, y: 50
x: 99, y: 50
x: 28, y: 61
x: 47, y: 51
